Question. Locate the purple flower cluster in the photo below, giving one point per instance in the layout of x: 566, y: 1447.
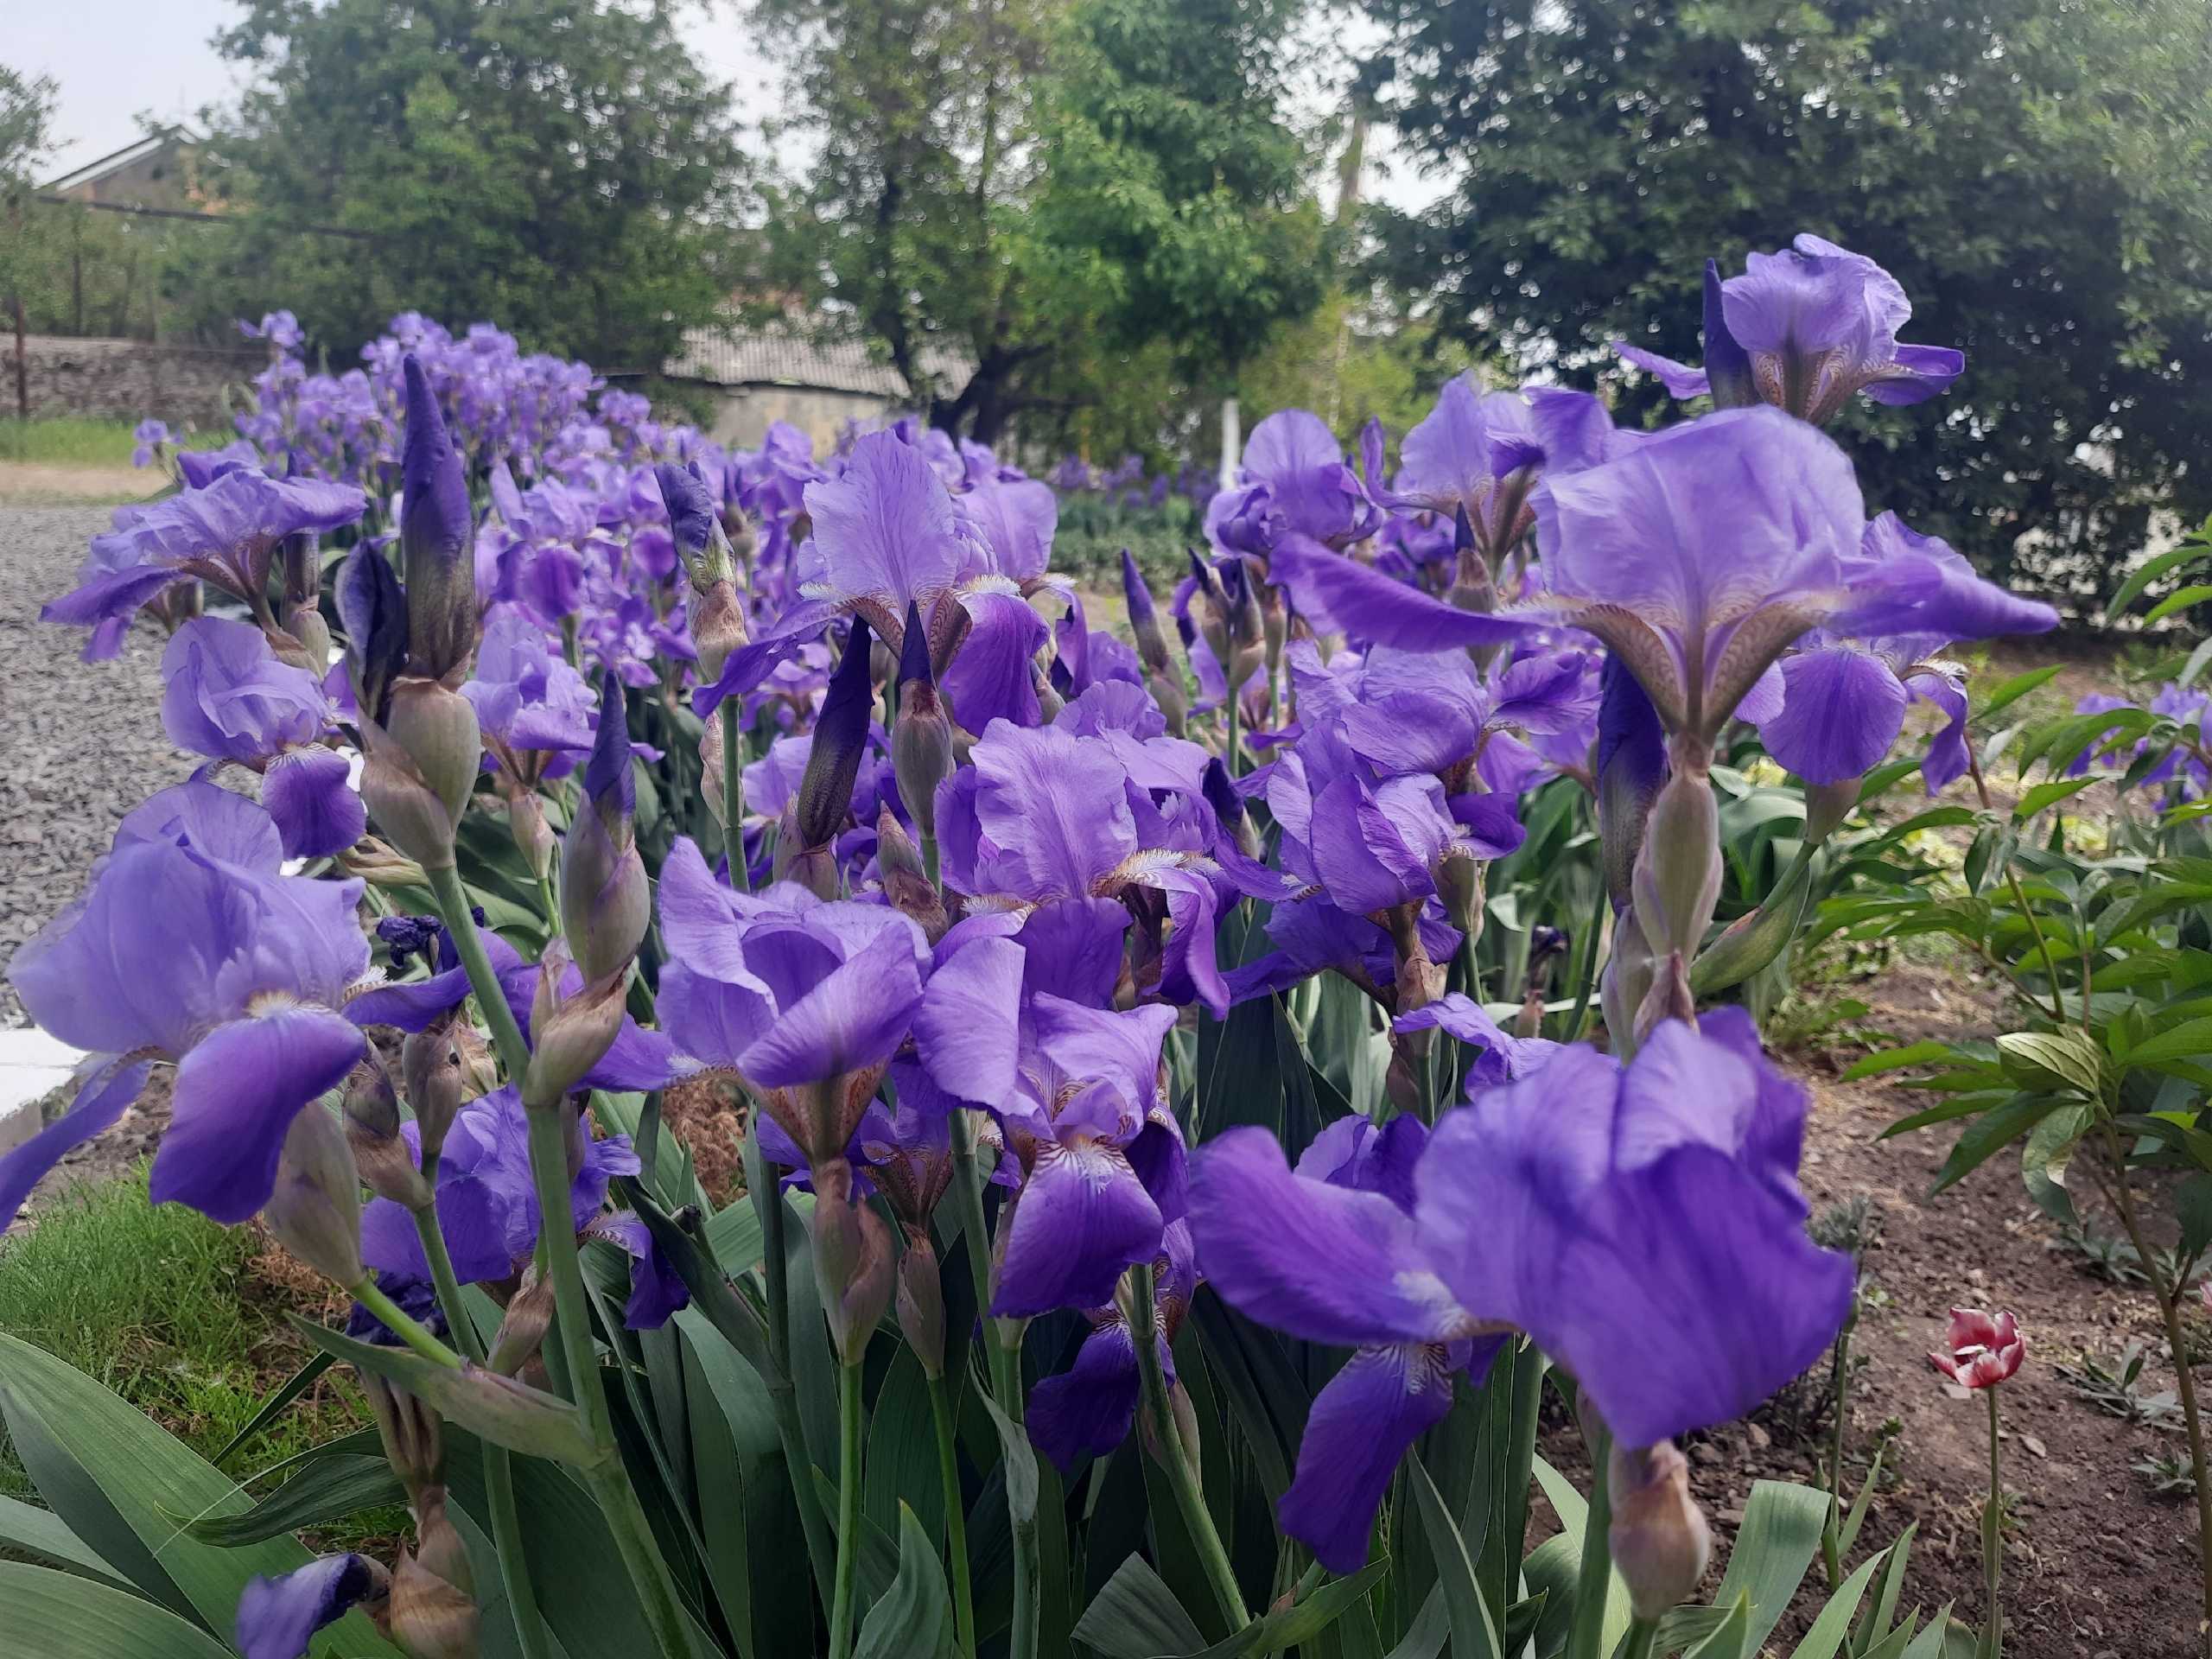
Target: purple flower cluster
x: 998, y: 866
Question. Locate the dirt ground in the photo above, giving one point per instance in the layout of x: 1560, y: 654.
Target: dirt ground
x: 2095, y: 1565
x: 41, y: 484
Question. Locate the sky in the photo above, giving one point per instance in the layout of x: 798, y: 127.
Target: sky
x: 114, y: 60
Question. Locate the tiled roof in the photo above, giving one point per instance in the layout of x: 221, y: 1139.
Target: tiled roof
x: 778, y: 358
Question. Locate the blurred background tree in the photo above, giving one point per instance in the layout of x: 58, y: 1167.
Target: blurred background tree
x: 561, y: 166
x: 2033, y: 172
x: 1024, y: 206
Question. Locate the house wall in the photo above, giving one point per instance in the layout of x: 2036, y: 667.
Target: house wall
x: 127, y: 379
x: 744, y: 414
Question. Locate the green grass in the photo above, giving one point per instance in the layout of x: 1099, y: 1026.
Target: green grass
x: 66, y: 442
x: 164, y: 1306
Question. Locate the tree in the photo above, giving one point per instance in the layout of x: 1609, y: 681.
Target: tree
x: 26, y: 116
x: 559, y: 167
x: 2030, y: 170
x: 1016, y: 201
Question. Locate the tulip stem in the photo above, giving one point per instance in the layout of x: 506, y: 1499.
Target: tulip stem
x: 1636, y: 1644
x: 848, y: 1510
x: 460, y: 928
x: 498, y: 1462
x: 955, y: 1516
x: 1181, y: 1477
x: 1593, y: 1580
x: 404, y: 1325
x: 741, y: 879
x: 1993, y: 1541
x: 605, y: 1474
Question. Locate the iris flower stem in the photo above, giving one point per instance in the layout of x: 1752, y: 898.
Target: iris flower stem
x: 848, y: 1510
x: 608, y: 1480
x: 767, y: 1194
x: 1529, y: 1368
x: 1993, y: 1542
x: 1232, y: 753
x: 498, y: 1462
x: 1181, y: 1477
x: 461, y: 927
x: 548, y: 1164
x: 956, y: 1516
x: 741, y: 879
x: 1593, y: 1580
x: 1006, y: 1369
x: 419, y: 1337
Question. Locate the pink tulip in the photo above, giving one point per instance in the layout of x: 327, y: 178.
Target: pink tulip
x: 1981, y: 1351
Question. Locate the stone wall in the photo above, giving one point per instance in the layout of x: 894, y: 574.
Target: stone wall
x: 127, y: 380
x: 744, y: 413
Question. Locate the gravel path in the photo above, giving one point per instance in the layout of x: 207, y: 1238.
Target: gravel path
x: 80, y: 743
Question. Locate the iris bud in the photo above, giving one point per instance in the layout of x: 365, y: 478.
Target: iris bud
x: 1627, y: 980
x: 1470, y: 588
x: 522, y: 1331
x: 921, y: 1304
x: 1678, y: 870
x: 605, y: 903
x: 374, y: 612
x: 824, y: 797
x: 921, y: 736
x: 905, y: 880
x: 372, y: 1132
x: 314, y: 1210
x: 436, y: 538
x: 430, y: 1066
x: 419, y: 768
x: 433, y: 1613
x: 533, y: 836
x: 716, y: 614
x: 569, y: 1036
x: 1144, y: 619
x: 852, y: 1260
x: 1660, y: 1541
x: 1228, y: 806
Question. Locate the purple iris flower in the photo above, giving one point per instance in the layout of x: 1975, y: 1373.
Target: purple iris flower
x: 1295, y: 482
x: 1703, y: 552
x: 1353, y: 1276
x: 658, y: 1292
x: 1101, y: 1156
x: 1499, y: 1057
x: 229, y: 698
x: 277, y: 1617
x: 416, y: 1297
x: 280, y: 328
x: 1088, y: 1409
x: 1043, y: 817
x: 1641, y: 1224
x: 151, y: 437
x: 1807, y: 329
x: 1475, y: 452
x: 192, y: 946
x: 1839, y: 705
x: 487, y: 1202
x: 527, y: 698
x: 2184, y: 704
x: 226, y: 534
x: 804, y: 1000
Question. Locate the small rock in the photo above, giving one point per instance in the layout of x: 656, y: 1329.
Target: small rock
x: 2034, y: 1445
x: 1760, y: 1438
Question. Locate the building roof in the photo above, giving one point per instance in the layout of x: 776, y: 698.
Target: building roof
x: 782, y: 357
x: 93, y: 172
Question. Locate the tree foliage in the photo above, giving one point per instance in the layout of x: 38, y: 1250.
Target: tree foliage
x: 2031, y: 170
x: 1018, y: 201
x: 560, y: 166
